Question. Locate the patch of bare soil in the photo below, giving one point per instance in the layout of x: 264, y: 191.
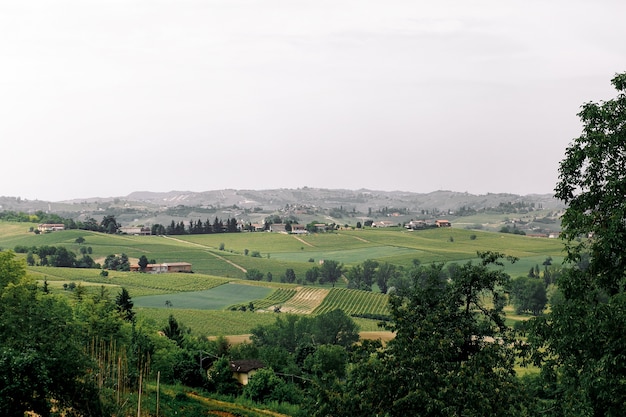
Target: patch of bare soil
x: 384, y: 336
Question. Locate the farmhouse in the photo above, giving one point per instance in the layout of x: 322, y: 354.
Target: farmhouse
x: 443, y: 223
x: 298, y: 229
x: 164, y: 268
x: 383, y: 223
x: 244, y: 369
x: 416, y: 224
x: 50, y: 227
x: 278, y: 228
x: 136, y: 230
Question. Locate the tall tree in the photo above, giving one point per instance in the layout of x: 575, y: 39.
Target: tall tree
x: 143, y: 262
x: 109, y: 224
x: 580, y: 344
x: 124, y: 305
x: 330, y: 271
x: 174, y: 331
x: 452, y: 354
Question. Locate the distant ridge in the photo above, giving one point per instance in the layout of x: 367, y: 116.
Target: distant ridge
x: 360, y: 200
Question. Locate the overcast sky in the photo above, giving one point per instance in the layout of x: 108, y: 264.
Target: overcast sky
x: 102, y: 98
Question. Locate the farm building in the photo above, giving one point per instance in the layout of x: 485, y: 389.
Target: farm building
x: 50, y: 227
x: 244, y: 369
x: 164, y: 268
x: 443, y: 223
x: 384, y: 223
x: 278, y: 228
x: 416, y: 224
x: 136, y: 230
x: 298, y: 229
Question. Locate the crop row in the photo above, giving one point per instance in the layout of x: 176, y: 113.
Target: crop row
x: 305, y: 301
x: 354, y: 302
x: 276, y: 298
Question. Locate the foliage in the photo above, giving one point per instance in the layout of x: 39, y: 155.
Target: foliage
x: 124, y: 305
x: 528, y: 295
x: 330, y: 271
x: 452, y: 354
x: 42, y: 360
x: 579, y: 345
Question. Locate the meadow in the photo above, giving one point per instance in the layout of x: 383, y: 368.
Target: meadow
x: 204, y: 300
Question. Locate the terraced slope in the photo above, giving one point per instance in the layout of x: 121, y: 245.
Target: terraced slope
x: 354, y: 302
x: 305, y: 301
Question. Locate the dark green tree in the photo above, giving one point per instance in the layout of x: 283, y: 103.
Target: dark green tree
x: 580, y: 343
x: 330, y: 271
x: 312, y: 275
x: 253, y: 274
x: 385, y: 274
x: 143, y: 262
x: 290, y: 276
x: 109, y: 224
x: 452, y: 354
x: 528, y: 295
x: 174, y: 331
x: 124, y: 305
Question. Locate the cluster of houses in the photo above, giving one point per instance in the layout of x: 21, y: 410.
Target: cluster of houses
x: 421, y: 224
x: 50, y: 227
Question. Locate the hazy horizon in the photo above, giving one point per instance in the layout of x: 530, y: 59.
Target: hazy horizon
x: 103, y: 98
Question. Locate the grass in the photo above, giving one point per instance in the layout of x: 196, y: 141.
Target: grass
x: 217, y: 298
x: 207, y: 322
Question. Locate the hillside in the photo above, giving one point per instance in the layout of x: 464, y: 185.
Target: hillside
x: 303, y: 204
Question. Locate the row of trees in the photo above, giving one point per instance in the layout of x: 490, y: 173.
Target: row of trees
x: 58, y: 256
x: 329, y: 272
x: 197, y: 227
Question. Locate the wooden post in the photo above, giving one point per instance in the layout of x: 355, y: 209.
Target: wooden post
x: 139, y: 396
x: 158, y: 380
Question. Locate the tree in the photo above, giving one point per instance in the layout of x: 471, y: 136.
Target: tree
x: 43, y: 364
x: 361, y: 276
x: 330, y: 271
x: 385, y: 274
x: 143, y: 262
x: 109, y: 224
x: 452, y: 354
x: 174, y: 331
x: 290, y: 276
x: 528, y: 295
x: 11, y: 270
x: 312, y: 275
x: 124, y: 305
x: 254, y: 274
x: 579, y: 344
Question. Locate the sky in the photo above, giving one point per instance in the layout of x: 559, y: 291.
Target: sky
x: 103, y: 98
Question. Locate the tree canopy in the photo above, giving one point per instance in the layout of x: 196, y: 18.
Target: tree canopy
x: 580, y: 343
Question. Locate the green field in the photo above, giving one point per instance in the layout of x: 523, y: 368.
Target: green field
x: 202, y: 301
x: 216, y: 298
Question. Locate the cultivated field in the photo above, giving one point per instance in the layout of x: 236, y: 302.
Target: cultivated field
x: 209, y: 303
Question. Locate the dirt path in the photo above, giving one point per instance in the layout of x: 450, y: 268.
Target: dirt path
x: 358, y: 238
x: 208, y: 248
x: 302, y: 240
